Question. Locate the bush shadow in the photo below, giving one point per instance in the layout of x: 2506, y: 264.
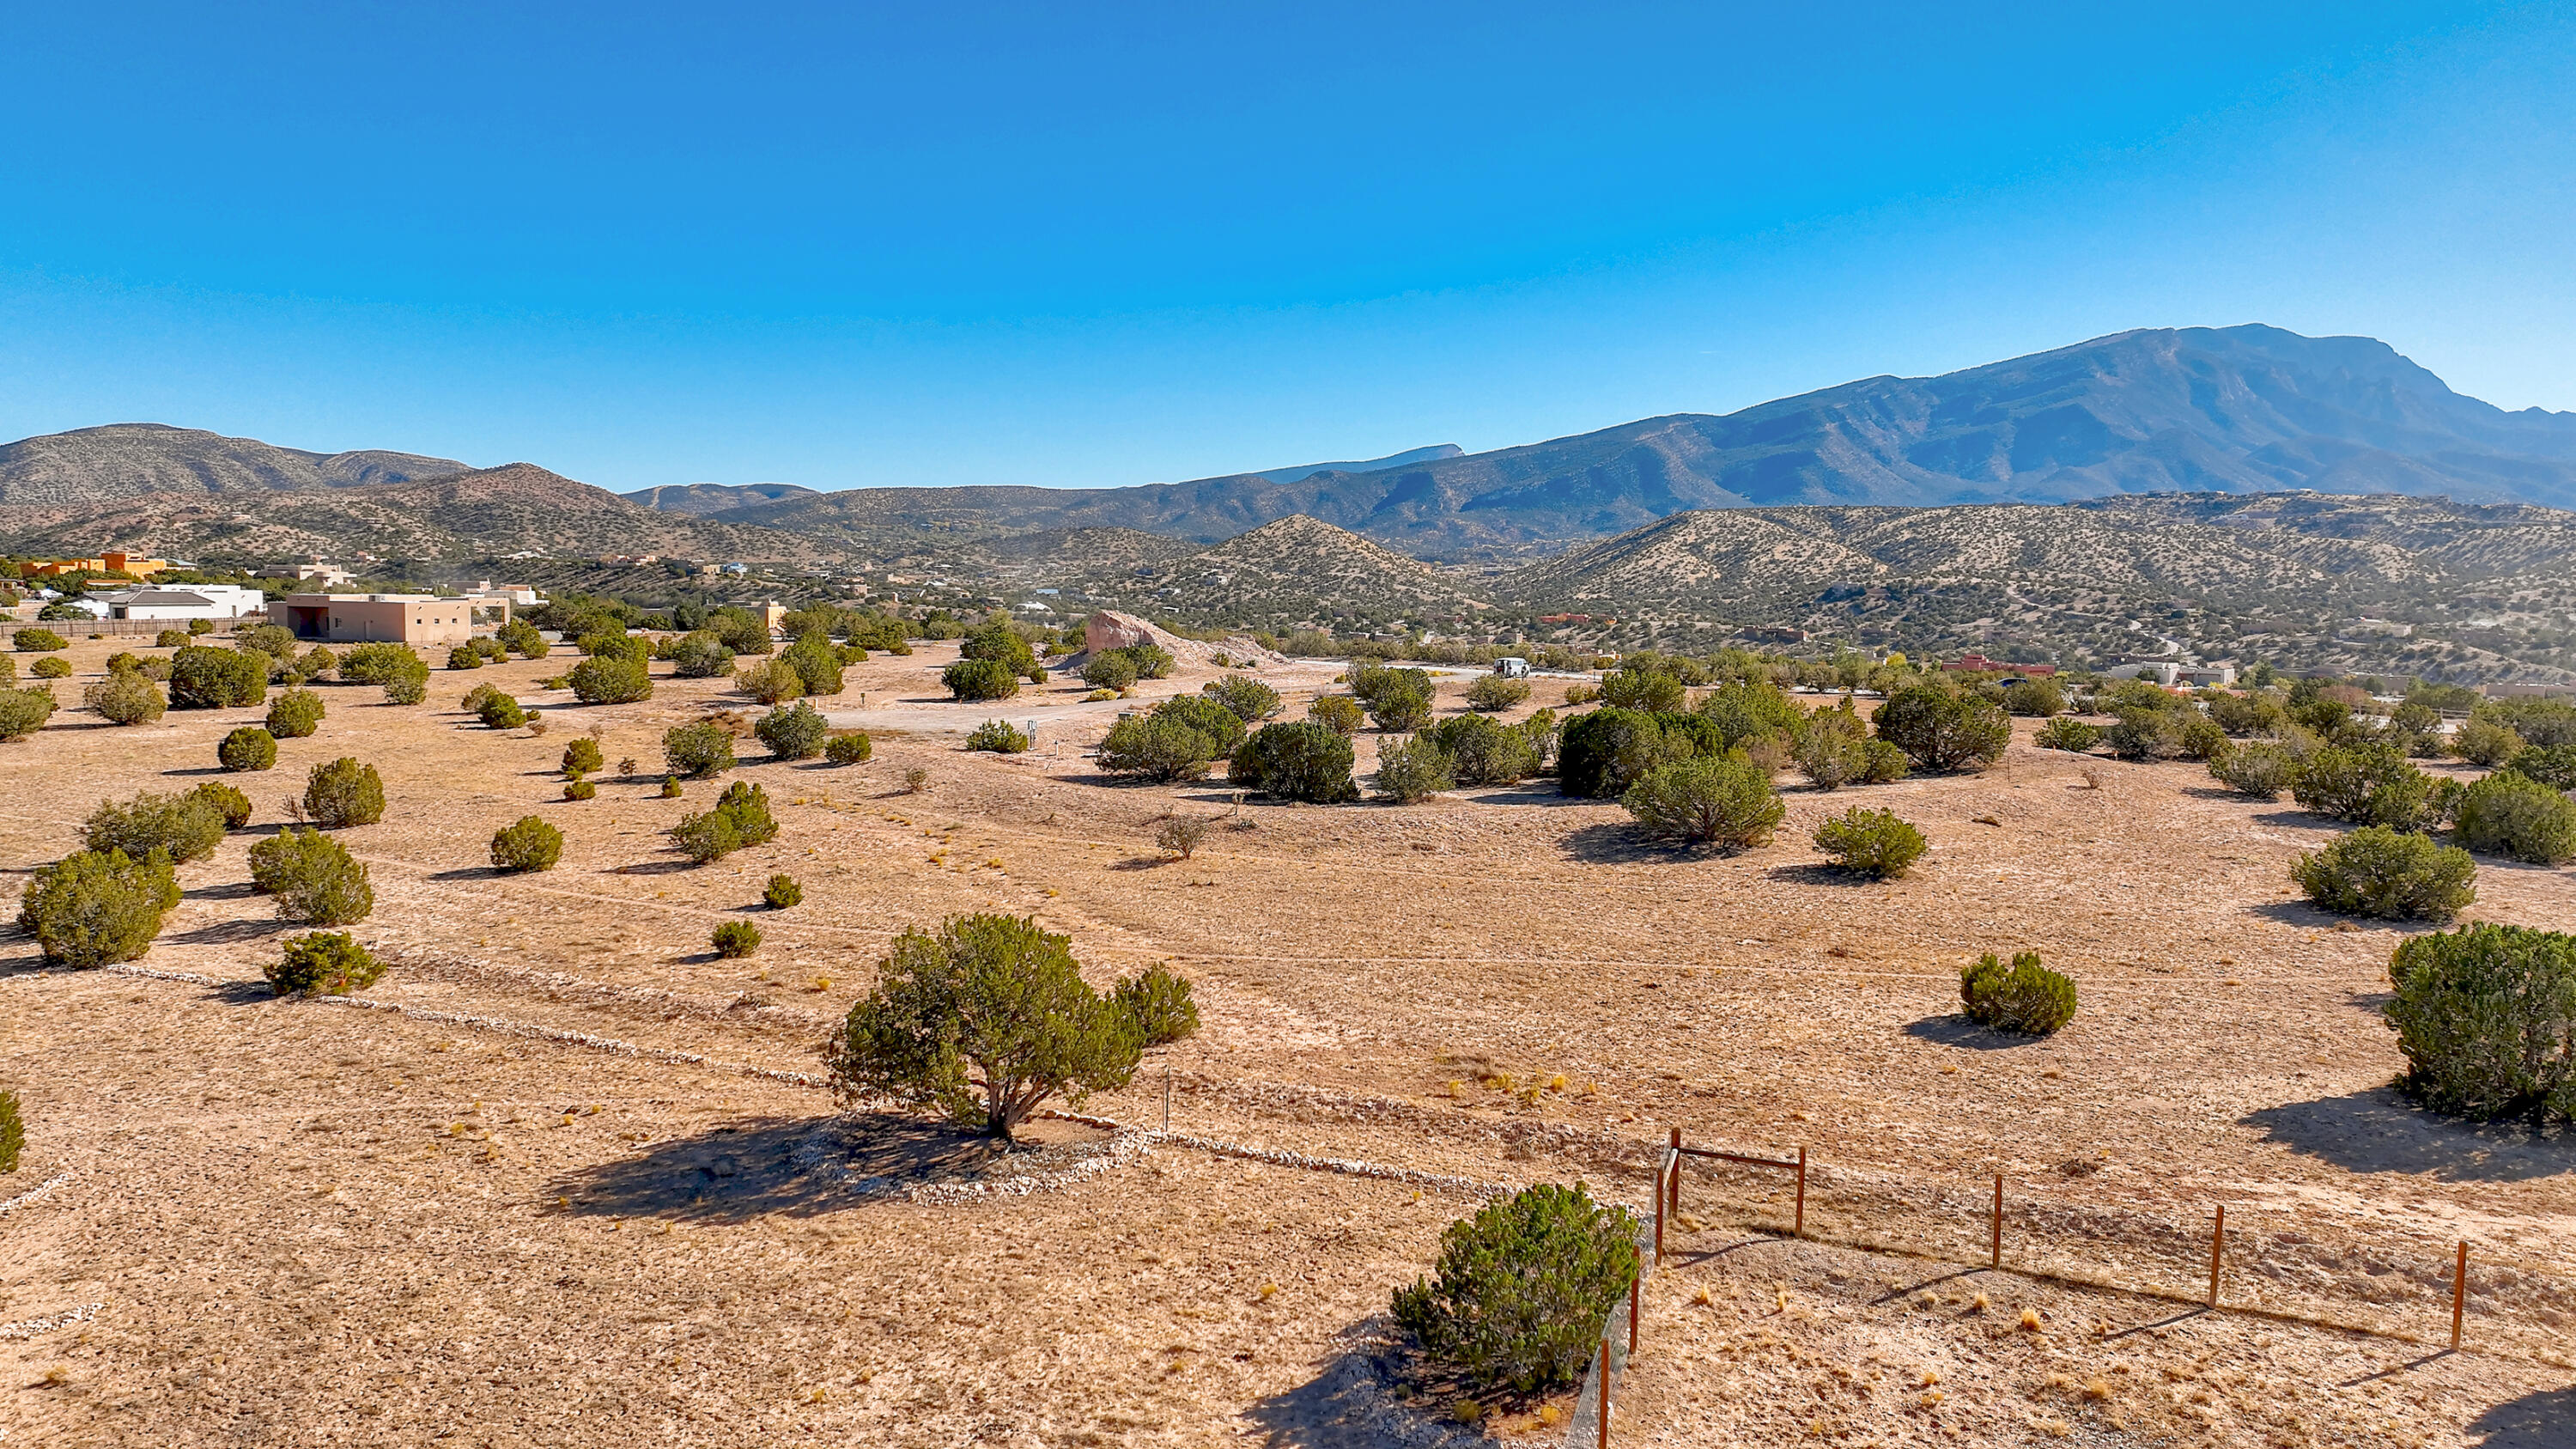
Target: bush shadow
x: 2379, y: 1130
x: 201, y: 770
x: 1625, y: 844
x: 241, y: 993
x: 231, y: 890
x: 470, y: 872
x: 758, y: 1167
x: 2545, y: 1419
x: 231, y: 933
x: 1955, y: 1030
x: 1816, y: 872
x: 1345, y: 1405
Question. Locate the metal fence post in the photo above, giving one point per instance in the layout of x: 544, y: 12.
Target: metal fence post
x: 1801, y: 1230
x: 1603, y: 1400
x: 2217, y: 1234
x: 1636, y: 1286
x: 2459, y: 1291
x: 1995, y: 1256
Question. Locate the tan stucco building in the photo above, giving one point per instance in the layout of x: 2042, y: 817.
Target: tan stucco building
x: 366, y: 618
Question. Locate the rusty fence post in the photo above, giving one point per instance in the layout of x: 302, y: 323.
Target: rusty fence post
x: 2217, y: 1234
x: 1801, y: 1230
x: 1636, y: 1286
x: 1995, y: 1255
x: 1677, y: 1170
x: 1604, y: 1398
x: 2459, y: 1292
x: 1659, y: 1210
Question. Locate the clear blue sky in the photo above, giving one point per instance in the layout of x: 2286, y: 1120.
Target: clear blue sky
x: 1101, y: 244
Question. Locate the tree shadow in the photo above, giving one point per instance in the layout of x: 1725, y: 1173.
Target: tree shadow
x: 758, y: 1167
x: 2317, y: 918
x: 231, y: 933
x: 2545, y: 1419
x: 1624, y: 844
x: 1820, y: 873
x: 653, y: 867
x: 471, y: 872
x: 1346, y: 1404
x: 201, y: 770
x: 2379, y: 1130
x: 1954, y: 1030
x: 1542, y: 794
x: 231, y: 890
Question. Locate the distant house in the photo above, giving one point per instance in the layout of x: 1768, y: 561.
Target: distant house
x: 2206, y: 676
x: 2163, y: 671
x: 195, y: 601
x: 370, y: 618
x: 131, y: 565
x: 312, y: 570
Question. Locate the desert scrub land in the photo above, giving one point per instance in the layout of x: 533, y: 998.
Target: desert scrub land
x: 306, y: 1221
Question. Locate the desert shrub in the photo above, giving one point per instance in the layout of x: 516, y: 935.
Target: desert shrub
x: 2198, y: 737
x: 92, y: 909
x: 1832, y: 748
x: 1299, y: 761
x: 521, y: 638
x: 497, y: 710
x: 1158, y: 1005
x: 1152, y: 661
x: 531, y: 844
x: 2389, y: 874
x: 1579, y: 694
x: 464, y: 656
x: 1482, y: 752
x: 698, y: 749
x: 977, y: 680
x: 2551, y: 765
x: 915, y: 780
x: 781, y: 892
x: 1109, y: 669
x: 1643, y: 689
x: 2538, y: 721
x: 701, y: 656
x: 343, y: 793
x: 184, y: 827
x: 1523, y: 1288
x: 170, y: 639
x: 13, y: 1132
x: 1602, y: 753
x: 740, y: 818
x: 1493, y: 693
x: 1726, y: 802
x: 1870, y: 842
x: 409, y: 686
x: 1401, y: 706
x: 9, y: 670
x: 123, y: 659
x: 817, y: 665
x: 2485, y: 742
x: 2255, y: 770
x: 125, y: 697
x: 1222, y: 726
x: 1180, y: 835
x: 2486, y: 1018
x: 736, y: 939
x: 1940, y: 731
x: 1743, y: 710
x: 2513, y: 815
x: 202, y: 678
x: 2025, y: 997
x: 1336, y: 712
x: 2072, y: 735
x: 2255, y: 712
x: 317, y: 662
x: 2371, y: 785
x: 998, y: 643
x: 739, y: 630
x: 1246, y: 698
x: 795, y: 731
x: 24, y: 711
x: 295, y: 714
x: 51, y: 669
x: 580, y: 790
x: 38, y: 641
x: 1159, y: 747
x: 377, y: 663
x: 582, y: 757
x: 231, y: 805
x: 2034, y: 698
x: 853, y: 748
x: 671, y: 788
x: 997, y: 736
x: 323, y: 963
x: 610, y: 679
x: 274, y: 640
x: 247, y: 748
x: 1413, y: 771
x: 984, y: 1022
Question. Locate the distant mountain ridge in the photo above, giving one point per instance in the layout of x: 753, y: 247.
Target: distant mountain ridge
x: 704, y: 498
x: 136, y: 460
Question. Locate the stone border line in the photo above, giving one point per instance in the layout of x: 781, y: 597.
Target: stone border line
x: 33, y: 1193
x: 29, y: 1328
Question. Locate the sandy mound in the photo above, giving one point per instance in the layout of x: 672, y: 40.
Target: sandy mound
x: 1109, y: 629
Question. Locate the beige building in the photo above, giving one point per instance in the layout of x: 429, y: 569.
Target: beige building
x: 366, y: 618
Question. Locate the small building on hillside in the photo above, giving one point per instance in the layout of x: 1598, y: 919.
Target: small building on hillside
x: 312, y: 570
x: 111, y: 562
x: 2206, y: 676
x: 189, y: 601
x: 370, y: 618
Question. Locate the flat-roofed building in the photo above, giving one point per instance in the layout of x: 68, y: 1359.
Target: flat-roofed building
x: 369, y: 618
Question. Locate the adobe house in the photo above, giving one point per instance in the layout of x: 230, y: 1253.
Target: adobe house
x: 368, y: 618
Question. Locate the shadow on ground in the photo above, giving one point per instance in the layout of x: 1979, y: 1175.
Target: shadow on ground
x: 1614, y: 844
x: 764, y: 1166
x: 2543, y: 1420
x: 1346, y: 1406
x: 1957, y: 1031
x: 2379, y: 1130
x: 232, y: 933
x: 1819, y: 873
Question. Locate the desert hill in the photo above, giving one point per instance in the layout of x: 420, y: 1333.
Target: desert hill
x: 699, y: 499
x: 133, y: 460
x: 1286, y: 574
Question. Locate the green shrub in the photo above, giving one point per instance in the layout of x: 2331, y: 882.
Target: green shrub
x: 1727, y: 802
x: 464, y: 656
x: 614, y: 644
x: 274, y: 640
x: 2255, y: 712
x: 1336, y: 712
x: 2552, y: 765
x: 701, y: 656
x: 377, y: 663
x: 1744, y: 710
x: 411, y: 686
x: 853, y: 748
x: 2510, y: 814
x: 582, y: 757
x: 997, y: 736
x: 1832, y: 748
x: 1651, y: 691
x: 202, y: 678
x: 797, y: 731
x: 318, y: 662
x: 170, y: 639
x: 1523, y: 1289
x: 698, y: 749
x: 772, y: 681
x: 782, y: 892
x: 2256, y: 770
x: 9, y: 670
x: 521, y: 638
x: 1608, y: 750
x: 2072, y: 735
x: 1159, y: 747
x: 90, y: 909
x: 999, y: 644
x: 126, y: 697
x: 231, y: 805
x: 1870, y: 842
x: 13, y: 1132
x: 580, y: 790
x: 740, y: 818
x: 313, y: 877
x: 2025, y: 997
x: 977, y: 680
x: 531, y: 844
x: 1941, y: 731
x: 1223, y: 727
x: 123, y: 659
x: 610, y: 679
x: 1413, y: 771
x: 344, y: 793
x: 1244, y: 697
x: 323, y: 963
x: 1494, y: 694
x: 2485, y: 742
x: 671, y: 788
x: 984, y: 1023
x: 38, y: 641
x: 52, y: 669
x: 1152, y: 661
x: 24, y: 711
x: 1109, y: 669
x: 2371, y: 784
x: 1401, y: 707
x: 1483, y: 752
x: 2390, y: 874
x: 295, y: 714
x: 247, y: 748
x: 184, y: 827
x: 2034, y: 698
x: 1301, y: 761
x: 736, y: 939
x: 740, y: 630
x: 817, y: 665
x: 1159, y: 1006
x: 2486, y: 1018
x: 2538, y: 721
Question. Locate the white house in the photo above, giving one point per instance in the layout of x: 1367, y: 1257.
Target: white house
x: 193, y: 601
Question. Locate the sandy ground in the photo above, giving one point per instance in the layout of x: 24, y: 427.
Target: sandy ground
x: 307, y: 1223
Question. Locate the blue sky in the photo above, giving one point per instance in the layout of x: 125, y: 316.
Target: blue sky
x: 1067, y: 245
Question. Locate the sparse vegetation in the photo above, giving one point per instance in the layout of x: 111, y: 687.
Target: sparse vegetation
x: 530, y: 844
x: 2485, y: 742
x: 2024, y: 997
x: 1414, y: 770
x: 1159, y: 1005
x: 313, y: 877
x: 497, y: 710
x: 2255, y: 769
x: 1300, y: 761
x: 231, y: 804
x: 2388, y: 874
x: 464, y: 656
x: 853, y: 748
x: 582, y: 757
x: 91, y: 909
x: 184, y: 827
x: 52, y: 669
x: 980, y: 680
x: 247, y: 748
x: 610, y: 679
x: 2551, y: 765
x: 1494, y: 694
x: 38, y: 641
x: 2513, y: 815
x: 1725, y: 802
x: 740, y: 818
x: 1832, y: 748
x: 126, y: 697
x: 203, y: 678
x: 1336, y: 712
x: 344, y: 793
x: 997, y: 736
x: 698, y: 749
x: 1610, y: 749
x: 13, y: 1131
x: 1650, y: 691
x: 1873, y: 843
x: 2486, y: 1018
x: 2372, y: 784
x: 323, y: 963
x: 700, y: 656
x: 1109, y: 670
x: 736, y: 939
x: 1523, y: 1288
x: 295, y: 714
x: 1482, y: 751
x: 1158, y: 747
x: 1244, y: 697
x: 782, y: 892
x: 1943, y: 732
x: 794, y: 732
x: 580, y: 790
x: 1179, y: 836
x: 24, y: 711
